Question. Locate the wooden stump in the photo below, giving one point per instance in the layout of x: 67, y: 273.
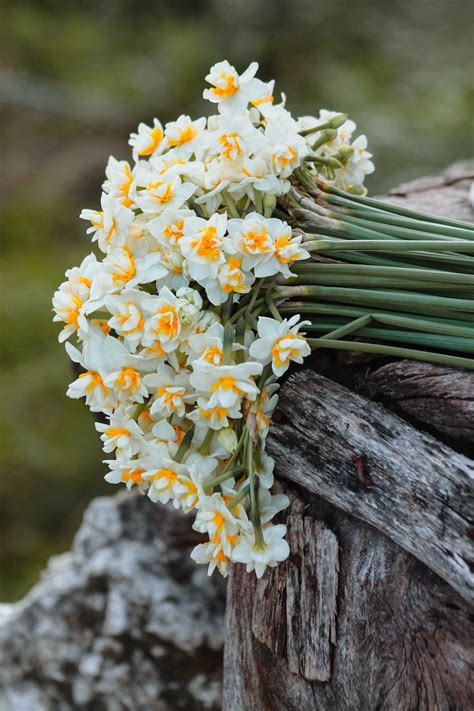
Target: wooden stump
x: 373, y: 609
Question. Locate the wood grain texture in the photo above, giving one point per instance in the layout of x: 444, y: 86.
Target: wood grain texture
x: 422, y: 495
x: 404, y: 637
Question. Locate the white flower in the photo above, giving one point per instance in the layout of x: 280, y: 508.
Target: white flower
x: 215, y: 519
x: 236, y: 138
x: 252, y: 239
x: 286, y: 250
x: 160, y: 191
x: 184, y: 136
x: 126, y: 270
x: 169, y: 390
x: 69, y: 308
x: 163, y: 474
x: 126, y: 471
x: 280, y: 343
x: 168, y: 227
x: 123, y: 434
x: 202, y: 245
x: 214, y: 417
x: 119, y: 180
x: 357, y: 166
x: 214, y: 555
x: 287, y: 148
x: 230, y: 91
x: 231, y: 279
x: 189, y: 488
x: 109, y: 225
x: 128, y: 318
x: 226, y: 384
x: 274, y: 550
x: 90, y: 384
x: 164, y: 323
x: 147, y: 140
x: 266, y: 404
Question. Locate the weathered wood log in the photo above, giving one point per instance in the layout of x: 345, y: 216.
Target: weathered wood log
x: 416, y: 490
x: 402, y: 639
x: 373, y: 609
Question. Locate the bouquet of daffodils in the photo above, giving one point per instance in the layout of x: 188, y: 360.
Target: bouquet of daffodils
x: 214, y: 241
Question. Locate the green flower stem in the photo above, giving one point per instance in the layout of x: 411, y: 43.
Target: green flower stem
x: 304, y: 178
x: 387, y: 218
x: 206, y: 444
x: 228, y: 343
x: 411, y: 274
x: 237, y: 450
x: 227, y: 474
x: 334, y: 122
x: 380, y: 349
x: 430, y: 260
x: 428, y: 324
x: 226, y: 312
x: 230, y: 204
x: 243, y: 493
x: 240, y: 338
x: 245, y: 310
x: 272, y: 307
x: 140, y: 408
x: 266, y: 373
x: 254, y: 506
x: 397, y: 245
x: 344, y: 330
x: 102, y: 315
x: 398, y: 300
x: 351, y: 200
x: 258, y: 201
x: 185, y: 444
x: 381, y: 282
x: 415, y: 338
x: 405, y: 232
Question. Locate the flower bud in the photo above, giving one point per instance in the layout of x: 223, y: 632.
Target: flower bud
x: 228, y: 439
x: 269, y: 203
x: 337, y: 120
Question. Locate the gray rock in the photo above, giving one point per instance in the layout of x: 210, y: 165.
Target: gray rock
x: 124, y: 620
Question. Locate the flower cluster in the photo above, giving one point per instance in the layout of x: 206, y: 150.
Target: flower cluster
x: 171, y: 335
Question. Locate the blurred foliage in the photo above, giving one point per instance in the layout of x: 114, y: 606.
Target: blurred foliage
x: 75, y: 79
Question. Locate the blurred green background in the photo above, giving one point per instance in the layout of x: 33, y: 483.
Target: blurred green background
x: 75, y: 79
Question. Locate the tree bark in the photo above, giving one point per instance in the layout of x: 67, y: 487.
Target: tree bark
x: 373, y: 609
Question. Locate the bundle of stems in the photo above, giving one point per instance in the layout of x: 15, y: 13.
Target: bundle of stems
x: 399, y: 280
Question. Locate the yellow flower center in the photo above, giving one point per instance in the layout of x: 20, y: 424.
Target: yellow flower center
x: 155, y: 136
x: 225, y: 384
x: 134, y: 475
x: 168, y: 321
x: 124, y: 188
x: 213, y: 355
x: 185, y: 135
x: 289, y: 352
x: 207, y: 243
x: 128, y: 378
x: 116, y: 432
x: 223, y: 92
x: 230, y: 143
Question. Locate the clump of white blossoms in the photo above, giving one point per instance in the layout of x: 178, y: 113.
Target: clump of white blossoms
x: 175, y: 328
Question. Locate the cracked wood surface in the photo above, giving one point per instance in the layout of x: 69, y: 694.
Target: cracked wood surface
x: 422, y: 493
x: 403, y: 637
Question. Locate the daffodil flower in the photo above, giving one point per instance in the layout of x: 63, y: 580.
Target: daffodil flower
x: 229, y: 91
x: 280, y: 343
